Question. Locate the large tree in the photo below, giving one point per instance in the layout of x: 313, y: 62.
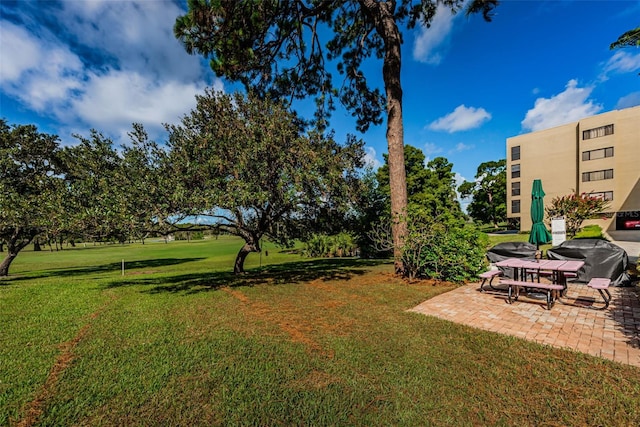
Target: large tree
x: 489, y: 204
x: 152, y: 203
x: 430, y: 185
x: 276, y: 48
x: 29, y: 183
x: 247, y: 163
x: 97, y: 201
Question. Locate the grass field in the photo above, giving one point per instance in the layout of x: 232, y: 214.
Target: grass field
x: 178, y: 340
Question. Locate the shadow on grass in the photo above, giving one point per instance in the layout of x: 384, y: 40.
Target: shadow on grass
x: 105, y: 268
x: 287, y: 273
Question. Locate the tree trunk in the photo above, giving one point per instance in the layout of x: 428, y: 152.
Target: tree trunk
x: 252, y: 245
x: 6, y: 262
x: 19, y: 240
x: 36, y: 246
x: 387, y: 28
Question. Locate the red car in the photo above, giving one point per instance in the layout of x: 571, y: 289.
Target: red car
x: 632, y: 224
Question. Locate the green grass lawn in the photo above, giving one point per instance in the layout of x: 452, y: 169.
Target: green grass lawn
x: 178, y: 340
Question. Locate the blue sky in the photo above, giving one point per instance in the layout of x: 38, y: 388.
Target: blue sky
x: 71, y: 66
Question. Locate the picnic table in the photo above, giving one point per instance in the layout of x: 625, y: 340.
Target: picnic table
x: 556, y: 269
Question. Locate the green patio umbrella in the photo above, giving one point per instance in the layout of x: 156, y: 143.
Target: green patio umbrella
x: 539, y: 233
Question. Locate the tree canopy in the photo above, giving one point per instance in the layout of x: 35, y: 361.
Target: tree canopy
x: 248, y: 164
x: 439, y: 245
x: 489, y: 204
x: 29, y: 183
x: 276, y: 49
x: 430, y: 185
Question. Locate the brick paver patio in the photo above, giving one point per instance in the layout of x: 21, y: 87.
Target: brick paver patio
x: 612, y: 334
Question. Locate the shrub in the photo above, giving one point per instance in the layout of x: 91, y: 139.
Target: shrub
x: 440, y: 248
x: 576, y: 208
x: 321, y: 245
x: 442, y: 252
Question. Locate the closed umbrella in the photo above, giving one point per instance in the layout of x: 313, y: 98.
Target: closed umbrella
x: 539, y: 233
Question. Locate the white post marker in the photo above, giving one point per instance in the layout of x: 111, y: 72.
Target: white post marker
x: 123, y: 266
x: 558, y: 231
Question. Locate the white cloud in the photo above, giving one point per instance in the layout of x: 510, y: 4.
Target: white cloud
x: 119, y: 98
x: 36, y: 71
x: 431, y: 149
x: 137, y: 35
x: 429, y: 40
x: 460, y: 147
x: 459, y: 179
x: 370, y: 159
x: 621, y: 62
x: 630, y: 100
x: 568, y: 106
x: 18, y: 45
x: 462, y: 118
x: 106, y: 65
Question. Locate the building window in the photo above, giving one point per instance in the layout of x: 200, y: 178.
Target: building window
x: 515, y: 171
x: 515, y: 153
x: 604, y: 195
x: 515, y: 206
x: 597, y: 154
x: 597, y: 175
x: 515, y: 188
x: 597, y: 132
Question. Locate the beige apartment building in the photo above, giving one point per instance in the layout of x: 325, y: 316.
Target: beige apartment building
x: 598, y: 155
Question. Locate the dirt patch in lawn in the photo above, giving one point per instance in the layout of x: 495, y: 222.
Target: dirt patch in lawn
x: 324, y: 307
x: 295, y: 330
x: 33, y: 410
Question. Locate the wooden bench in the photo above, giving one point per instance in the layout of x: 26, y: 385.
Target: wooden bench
x: 602, y: 285
x: 548, y: 288
x: 490, y: 275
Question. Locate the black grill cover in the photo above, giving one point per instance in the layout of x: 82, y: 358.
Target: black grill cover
x: 506, y: 250
x: 601, y: 259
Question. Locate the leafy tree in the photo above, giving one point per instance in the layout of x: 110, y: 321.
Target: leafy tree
x: 489, y: 204
x: 97, y: 205
x: 29, y: 186
x: 57, y: 223
x: 414, y: 164
x: 438, y: 244
x: 576, y: 208
x: 371, y: 207
x: 430, y: 186
x: 121, y: 194
x: 439, y: 199
x: 153, y: 204
x: 247, y: 163
x: 629, y: 39
x: 275, y: 48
